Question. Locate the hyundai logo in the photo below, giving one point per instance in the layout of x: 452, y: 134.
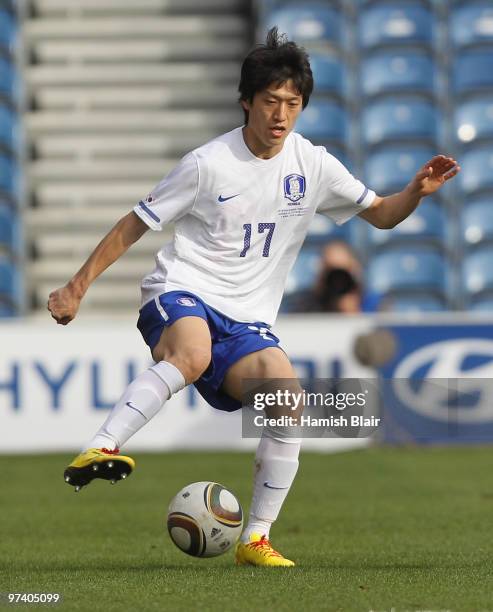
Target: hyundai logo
x: 457, y: 380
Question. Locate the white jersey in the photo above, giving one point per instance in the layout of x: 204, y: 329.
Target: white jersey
x: 241, y: 220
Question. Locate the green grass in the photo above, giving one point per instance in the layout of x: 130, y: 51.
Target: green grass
x: 408, y: 529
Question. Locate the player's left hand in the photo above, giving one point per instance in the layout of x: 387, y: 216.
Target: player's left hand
x: 434, y: 174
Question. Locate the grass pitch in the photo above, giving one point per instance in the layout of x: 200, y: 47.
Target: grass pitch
x: 408, y: 529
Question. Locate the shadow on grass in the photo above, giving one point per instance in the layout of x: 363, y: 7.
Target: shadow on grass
x: 88, y: 566
x: 202, y: 566
x: 394, y: 565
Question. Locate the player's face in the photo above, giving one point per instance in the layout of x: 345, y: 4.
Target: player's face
x: 271, y: 116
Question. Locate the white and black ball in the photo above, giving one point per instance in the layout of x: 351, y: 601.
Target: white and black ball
x: 205, y: 519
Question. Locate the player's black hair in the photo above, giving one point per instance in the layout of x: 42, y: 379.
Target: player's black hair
x: 276, y: 61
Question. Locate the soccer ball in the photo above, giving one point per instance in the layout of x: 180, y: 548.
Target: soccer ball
x: 204, y: 519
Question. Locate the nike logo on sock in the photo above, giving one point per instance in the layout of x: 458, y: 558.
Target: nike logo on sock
x: 221, y: 199
x: 136, y: 409
x: 266, y: 484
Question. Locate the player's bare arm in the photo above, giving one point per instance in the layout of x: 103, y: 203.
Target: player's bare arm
x: 63, y: 303
x: 387, y: 212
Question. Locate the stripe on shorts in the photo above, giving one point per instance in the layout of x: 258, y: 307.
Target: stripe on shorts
x: 162, y: 312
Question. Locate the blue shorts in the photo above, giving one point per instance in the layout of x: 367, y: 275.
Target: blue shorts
x: 230, y: 340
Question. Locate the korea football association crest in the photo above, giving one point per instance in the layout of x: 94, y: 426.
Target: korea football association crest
x: 294, y: 187
x: 186, y: 301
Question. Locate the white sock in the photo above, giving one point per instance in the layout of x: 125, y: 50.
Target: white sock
x: 141, y: 400
x: 276, y: 464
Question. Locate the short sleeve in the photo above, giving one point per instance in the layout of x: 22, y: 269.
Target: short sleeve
x: 341, y: 195
x: 173, y: 197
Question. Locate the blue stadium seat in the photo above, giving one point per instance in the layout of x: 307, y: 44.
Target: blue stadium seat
x: 391, y: 72
x: 482, y: 305
x: 323, y: 121
x: 427, y: 224
x: 477, y: 170
x: 8, y: 174
x: 472, y: 71
x: 6, y: 310
x: 311, y: 23
x: 391, y: 169
x: 328, y: 73
x: 9, y: 281
x: 305, y: 270
x: 8, y: 228
x: 322, y: 230
x: 472, y: 24
x: 414, y: 304
x: 477, y: 272
x: 396, y: 24
x: 407, y: 269
x: 7, y: 78
x: 399, y: 119
x: 8, y: 129
x: 476, y: 221
x: 473, y: 120
x: 7, y: 30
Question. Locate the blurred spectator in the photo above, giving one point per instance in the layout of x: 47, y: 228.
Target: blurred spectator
x: 339, y: 286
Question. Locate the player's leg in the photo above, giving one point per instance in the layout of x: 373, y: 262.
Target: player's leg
x: 276, y: 460
x: 182, y: 353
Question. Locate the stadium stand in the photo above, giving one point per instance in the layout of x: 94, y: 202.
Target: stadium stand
x: 8, y: 229
x: 11, y: 302
x: 10, y: 297
x: 8, y: 167
x: 8, y: 130
x: 396, y: 23
x: 408, y: 269
x: 304, y: 271
x: 329, y: 74
x: 323, y: 121
x: 477, y: 174
x: 8, y: 72
x: 8, y: 28
x: 473, y: 120
x: 399, y: 119
x: 6, y: 310
x: 482, y: 305
x: 477, y: 222
x: 472, y: 71
x: 313, y: 23
x: 398, y: 109
x: 427, y: 226
x: 472, y: 24
x: 405, y: 71
x: 477, y: 274
x: 118, y: 92
x: 390, y: 169
x: 414, y: 304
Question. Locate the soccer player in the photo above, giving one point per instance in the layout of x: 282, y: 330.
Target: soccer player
x: 241, y: 205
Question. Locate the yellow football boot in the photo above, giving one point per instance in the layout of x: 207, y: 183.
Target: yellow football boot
x: 259, y: 552
x: 98, y: 463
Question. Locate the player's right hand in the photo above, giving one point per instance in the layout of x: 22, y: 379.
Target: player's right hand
x: 63, y: 305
